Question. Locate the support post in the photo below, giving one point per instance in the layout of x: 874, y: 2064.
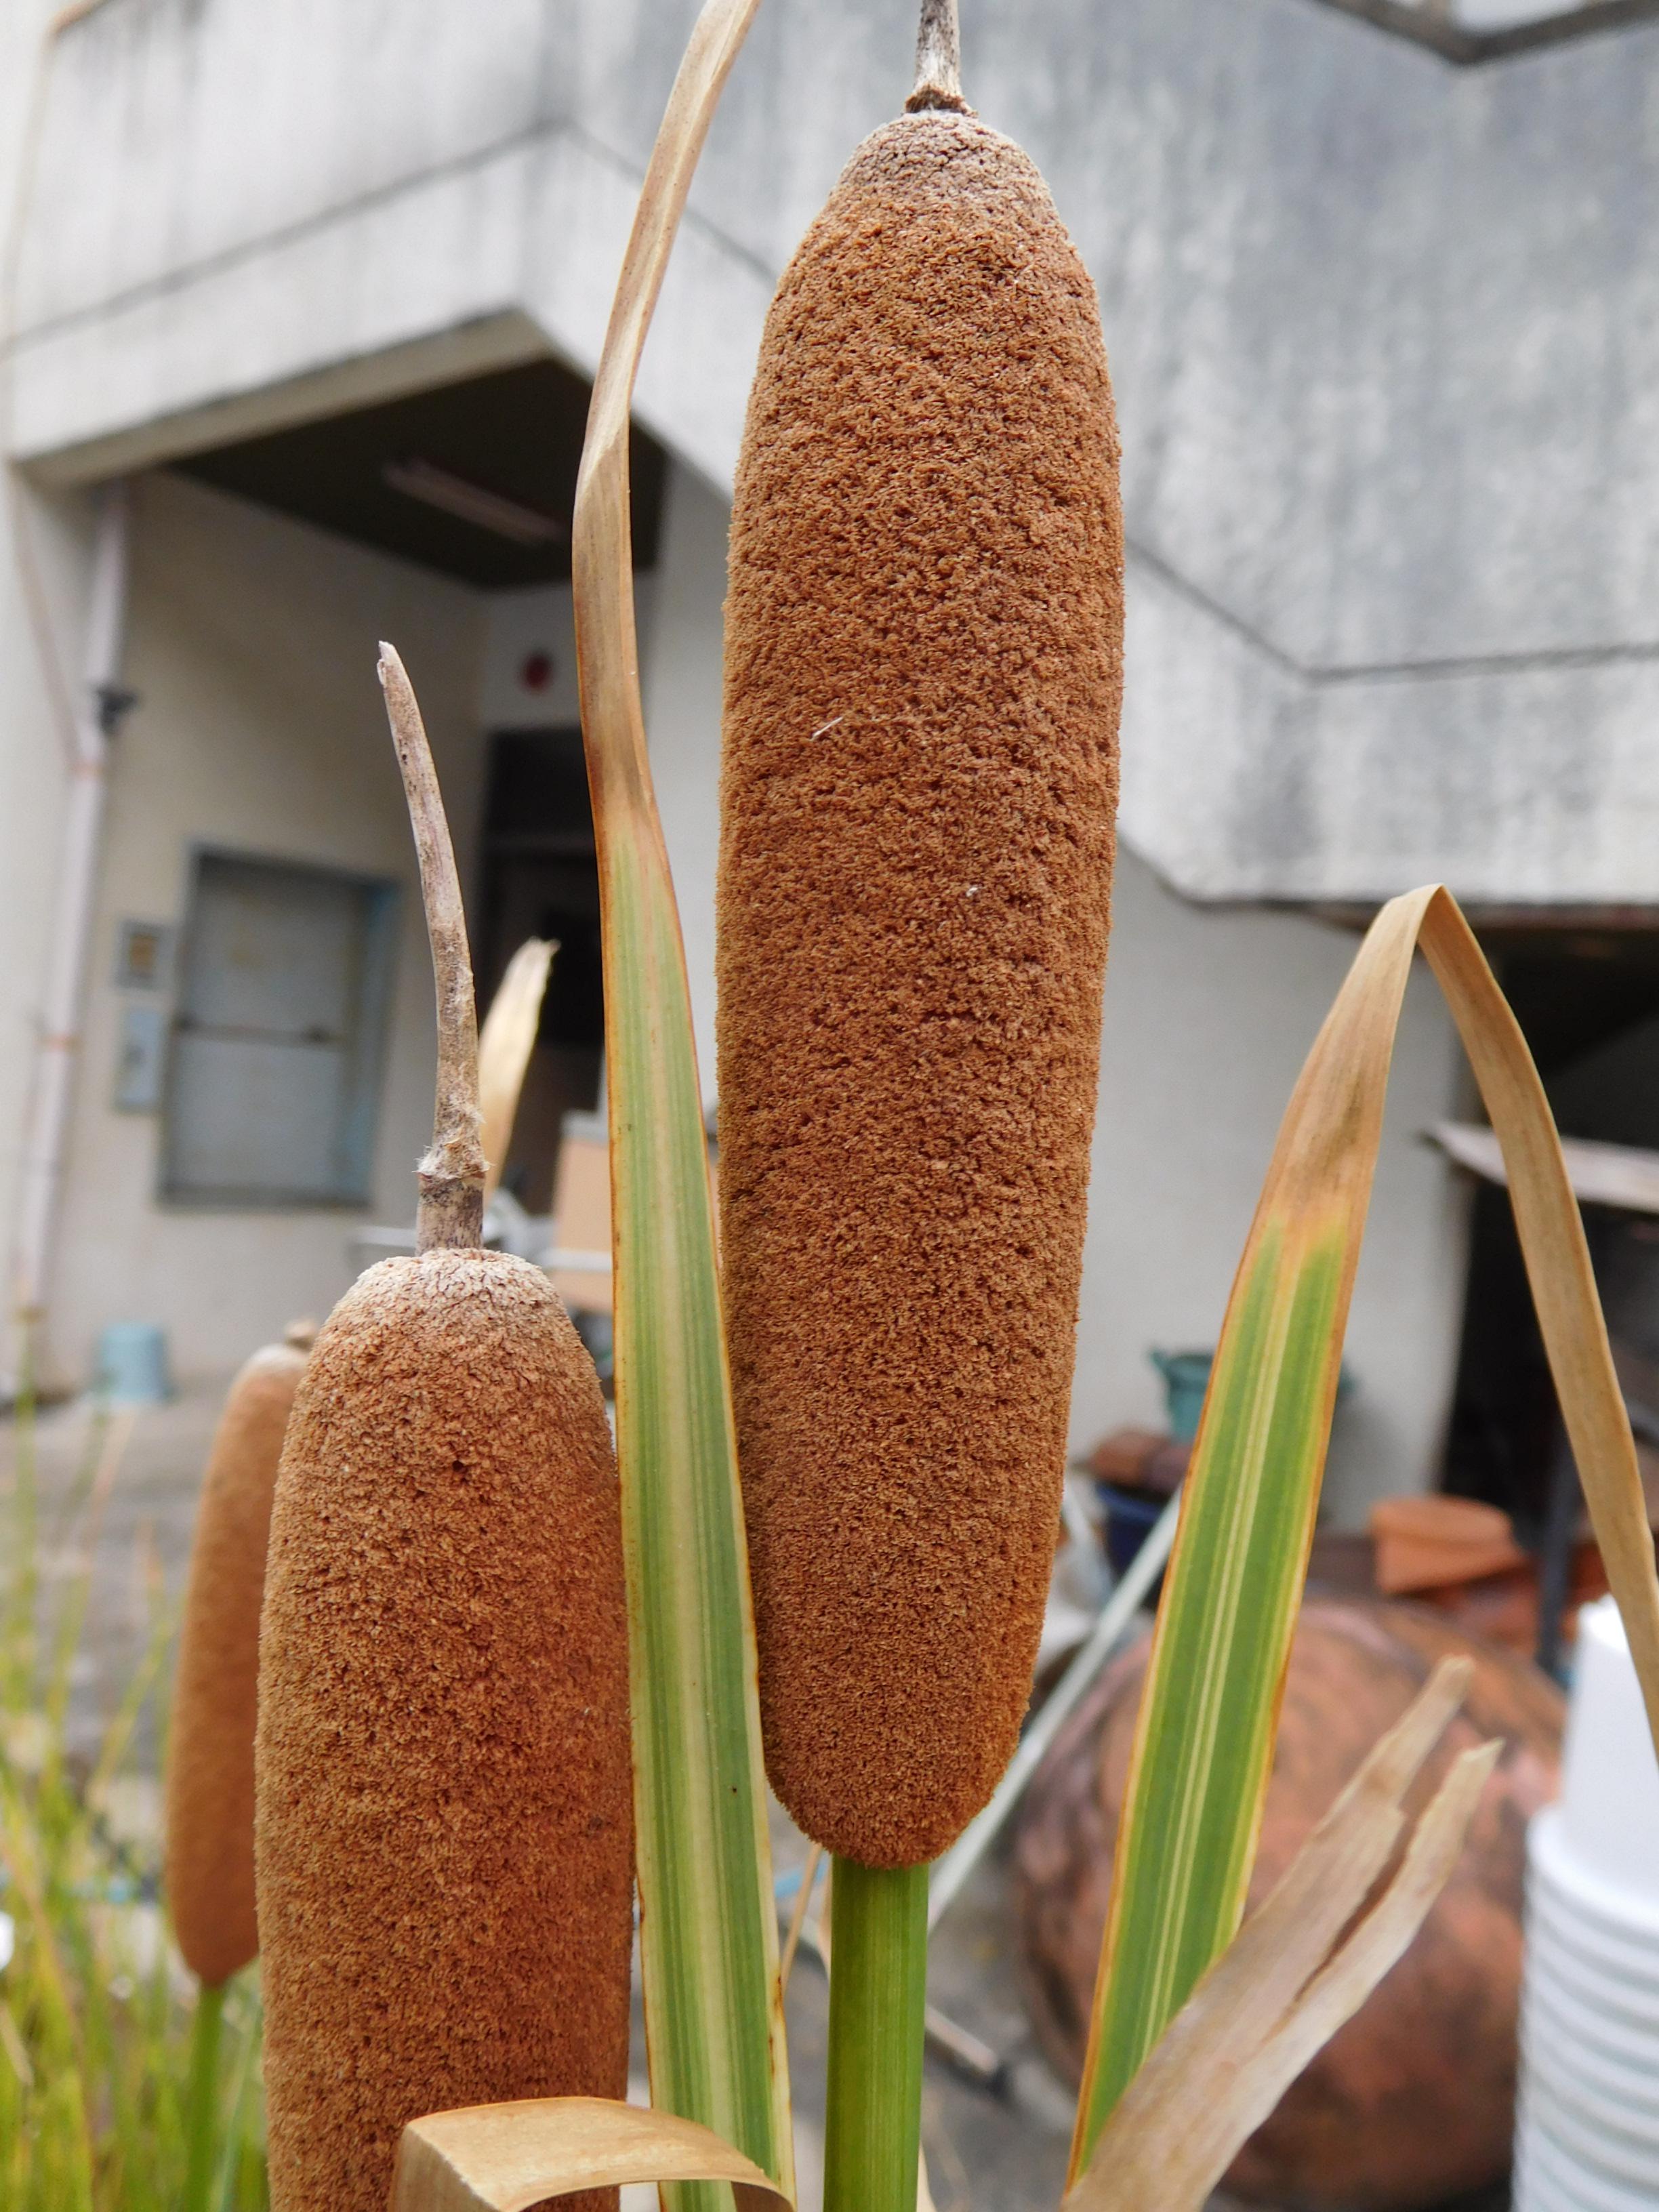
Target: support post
x: 80, y: 843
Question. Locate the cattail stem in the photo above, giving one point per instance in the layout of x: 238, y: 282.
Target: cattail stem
x: 201, y: 2117
x: 938, y: 59
x: 452, y: 1175
x: 877, y: 2001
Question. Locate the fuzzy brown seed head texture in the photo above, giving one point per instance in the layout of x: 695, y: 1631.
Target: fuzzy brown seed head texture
x: 210, y: 1783
x: 922, y: 682
x: 445, y: 1835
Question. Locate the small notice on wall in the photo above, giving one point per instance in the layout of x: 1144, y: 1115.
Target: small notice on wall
x: 139, y: 1070
x: 143, y: 957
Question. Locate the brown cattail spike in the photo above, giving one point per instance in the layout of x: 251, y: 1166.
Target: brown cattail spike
x: 445, y: 1821
x: 923, y: 668
x: 209, y: 1780
x: 444, y: 1829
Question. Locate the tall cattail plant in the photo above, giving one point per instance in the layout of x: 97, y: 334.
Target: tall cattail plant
x: 923, y: 686
x: 210, y: 1773
x: 444, y: 1837
x: 923, y: 657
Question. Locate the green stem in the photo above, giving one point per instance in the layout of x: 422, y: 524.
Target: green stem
x: 203, y: 2111
x: 877, y: 1998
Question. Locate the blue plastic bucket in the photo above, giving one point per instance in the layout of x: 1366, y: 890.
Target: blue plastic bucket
x: 1186, y: 1378
x: 1131, y: 1516
x: 132, y: 1363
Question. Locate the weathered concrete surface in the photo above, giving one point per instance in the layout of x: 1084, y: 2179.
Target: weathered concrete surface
x: 1385, y: 332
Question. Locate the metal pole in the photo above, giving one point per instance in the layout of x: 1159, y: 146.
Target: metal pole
x: 76, y: 890
x: 1116, y: 1619
x: 1555, y: 1554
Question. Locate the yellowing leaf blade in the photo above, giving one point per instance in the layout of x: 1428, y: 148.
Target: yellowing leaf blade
x: 1204, y: 1736
x: 708, y: 1929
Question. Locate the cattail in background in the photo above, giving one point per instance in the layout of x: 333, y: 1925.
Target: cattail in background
x: 922, y: 681
x: 209, y: 1778
x: 444, y: 1826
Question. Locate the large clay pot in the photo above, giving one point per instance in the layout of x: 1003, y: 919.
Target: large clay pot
x: 1413, y: 2099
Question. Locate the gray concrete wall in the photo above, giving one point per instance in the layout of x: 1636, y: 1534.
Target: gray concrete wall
x: 259, y: 728
x: 1385, y: 333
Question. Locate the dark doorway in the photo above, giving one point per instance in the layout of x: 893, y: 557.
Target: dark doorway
x: 477, y: 479
x: 1588, y: 1002
x: 540, y: 878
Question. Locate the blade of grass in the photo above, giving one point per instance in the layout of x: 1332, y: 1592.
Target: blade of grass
x: 244, y: 2098
x: 23, y: 1593
x: 1208, y: 1715
x: 93, y: 2033
x: 797, y: 1917
x: 709, y: 1927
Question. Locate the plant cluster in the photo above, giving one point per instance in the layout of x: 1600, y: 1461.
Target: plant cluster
x: 471, y: 1622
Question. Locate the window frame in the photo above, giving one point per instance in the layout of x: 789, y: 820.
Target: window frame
x: 370, y: 1042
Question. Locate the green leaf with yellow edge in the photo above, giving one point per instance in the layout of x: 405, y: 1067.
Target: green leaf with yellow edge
x: 708, y: 1928
x: 1208, y: 1714
x: 1306, y: 1959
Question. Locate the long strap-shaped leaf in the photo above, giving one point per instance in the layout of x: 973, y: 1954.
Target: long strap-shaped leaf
x: 1208, y: 1715
x: 713, y: 2024
x: 1244, y: 2035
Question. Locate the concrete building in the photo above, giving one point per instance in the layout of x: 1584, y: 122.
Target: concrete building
x: 297, y: 308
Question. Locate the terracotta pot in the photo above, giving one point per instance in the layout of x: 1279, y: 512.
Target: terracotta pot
x: 1413, y: 2101
x: 1424, y: 1543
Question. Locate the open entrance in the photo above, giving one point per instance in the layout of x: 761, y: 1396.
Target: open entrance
x: 476, y: 480
x: 539, y: 878
x: 1589, y: 1004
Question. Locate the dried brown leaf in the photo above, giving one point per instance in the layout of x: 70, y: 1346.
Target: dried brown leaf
x: 1278, y: 1994
x: 505, y: 1044
x: 504, y: 2158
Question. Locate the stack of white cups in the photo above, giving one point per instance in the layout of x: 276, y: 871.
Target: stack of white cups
x: 1587, y: 2137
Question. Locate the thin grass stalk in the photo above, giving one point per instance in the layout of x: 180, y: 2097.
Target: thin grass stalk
x: 714, y: 2021
x: 878, y: 2004
x: 1208, y: 1715
x: 94, y: 2057
x: 202, y: 2108
x: 233, y: 2151
x: 797, y: 1917
x: 148, y: 1672
x: 24, y: 1596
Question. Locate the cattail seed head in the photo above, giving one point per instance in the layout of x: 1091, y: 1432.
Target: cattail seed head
x: 210, y: 1778
x: 444, y: 1830
x: 923, y: 672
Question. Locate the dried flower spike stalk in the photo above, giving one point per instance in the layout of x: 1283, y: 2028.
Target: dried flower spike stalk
x: 209, y: 1778
x: 922, y: 680
x: 445, y: 1838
